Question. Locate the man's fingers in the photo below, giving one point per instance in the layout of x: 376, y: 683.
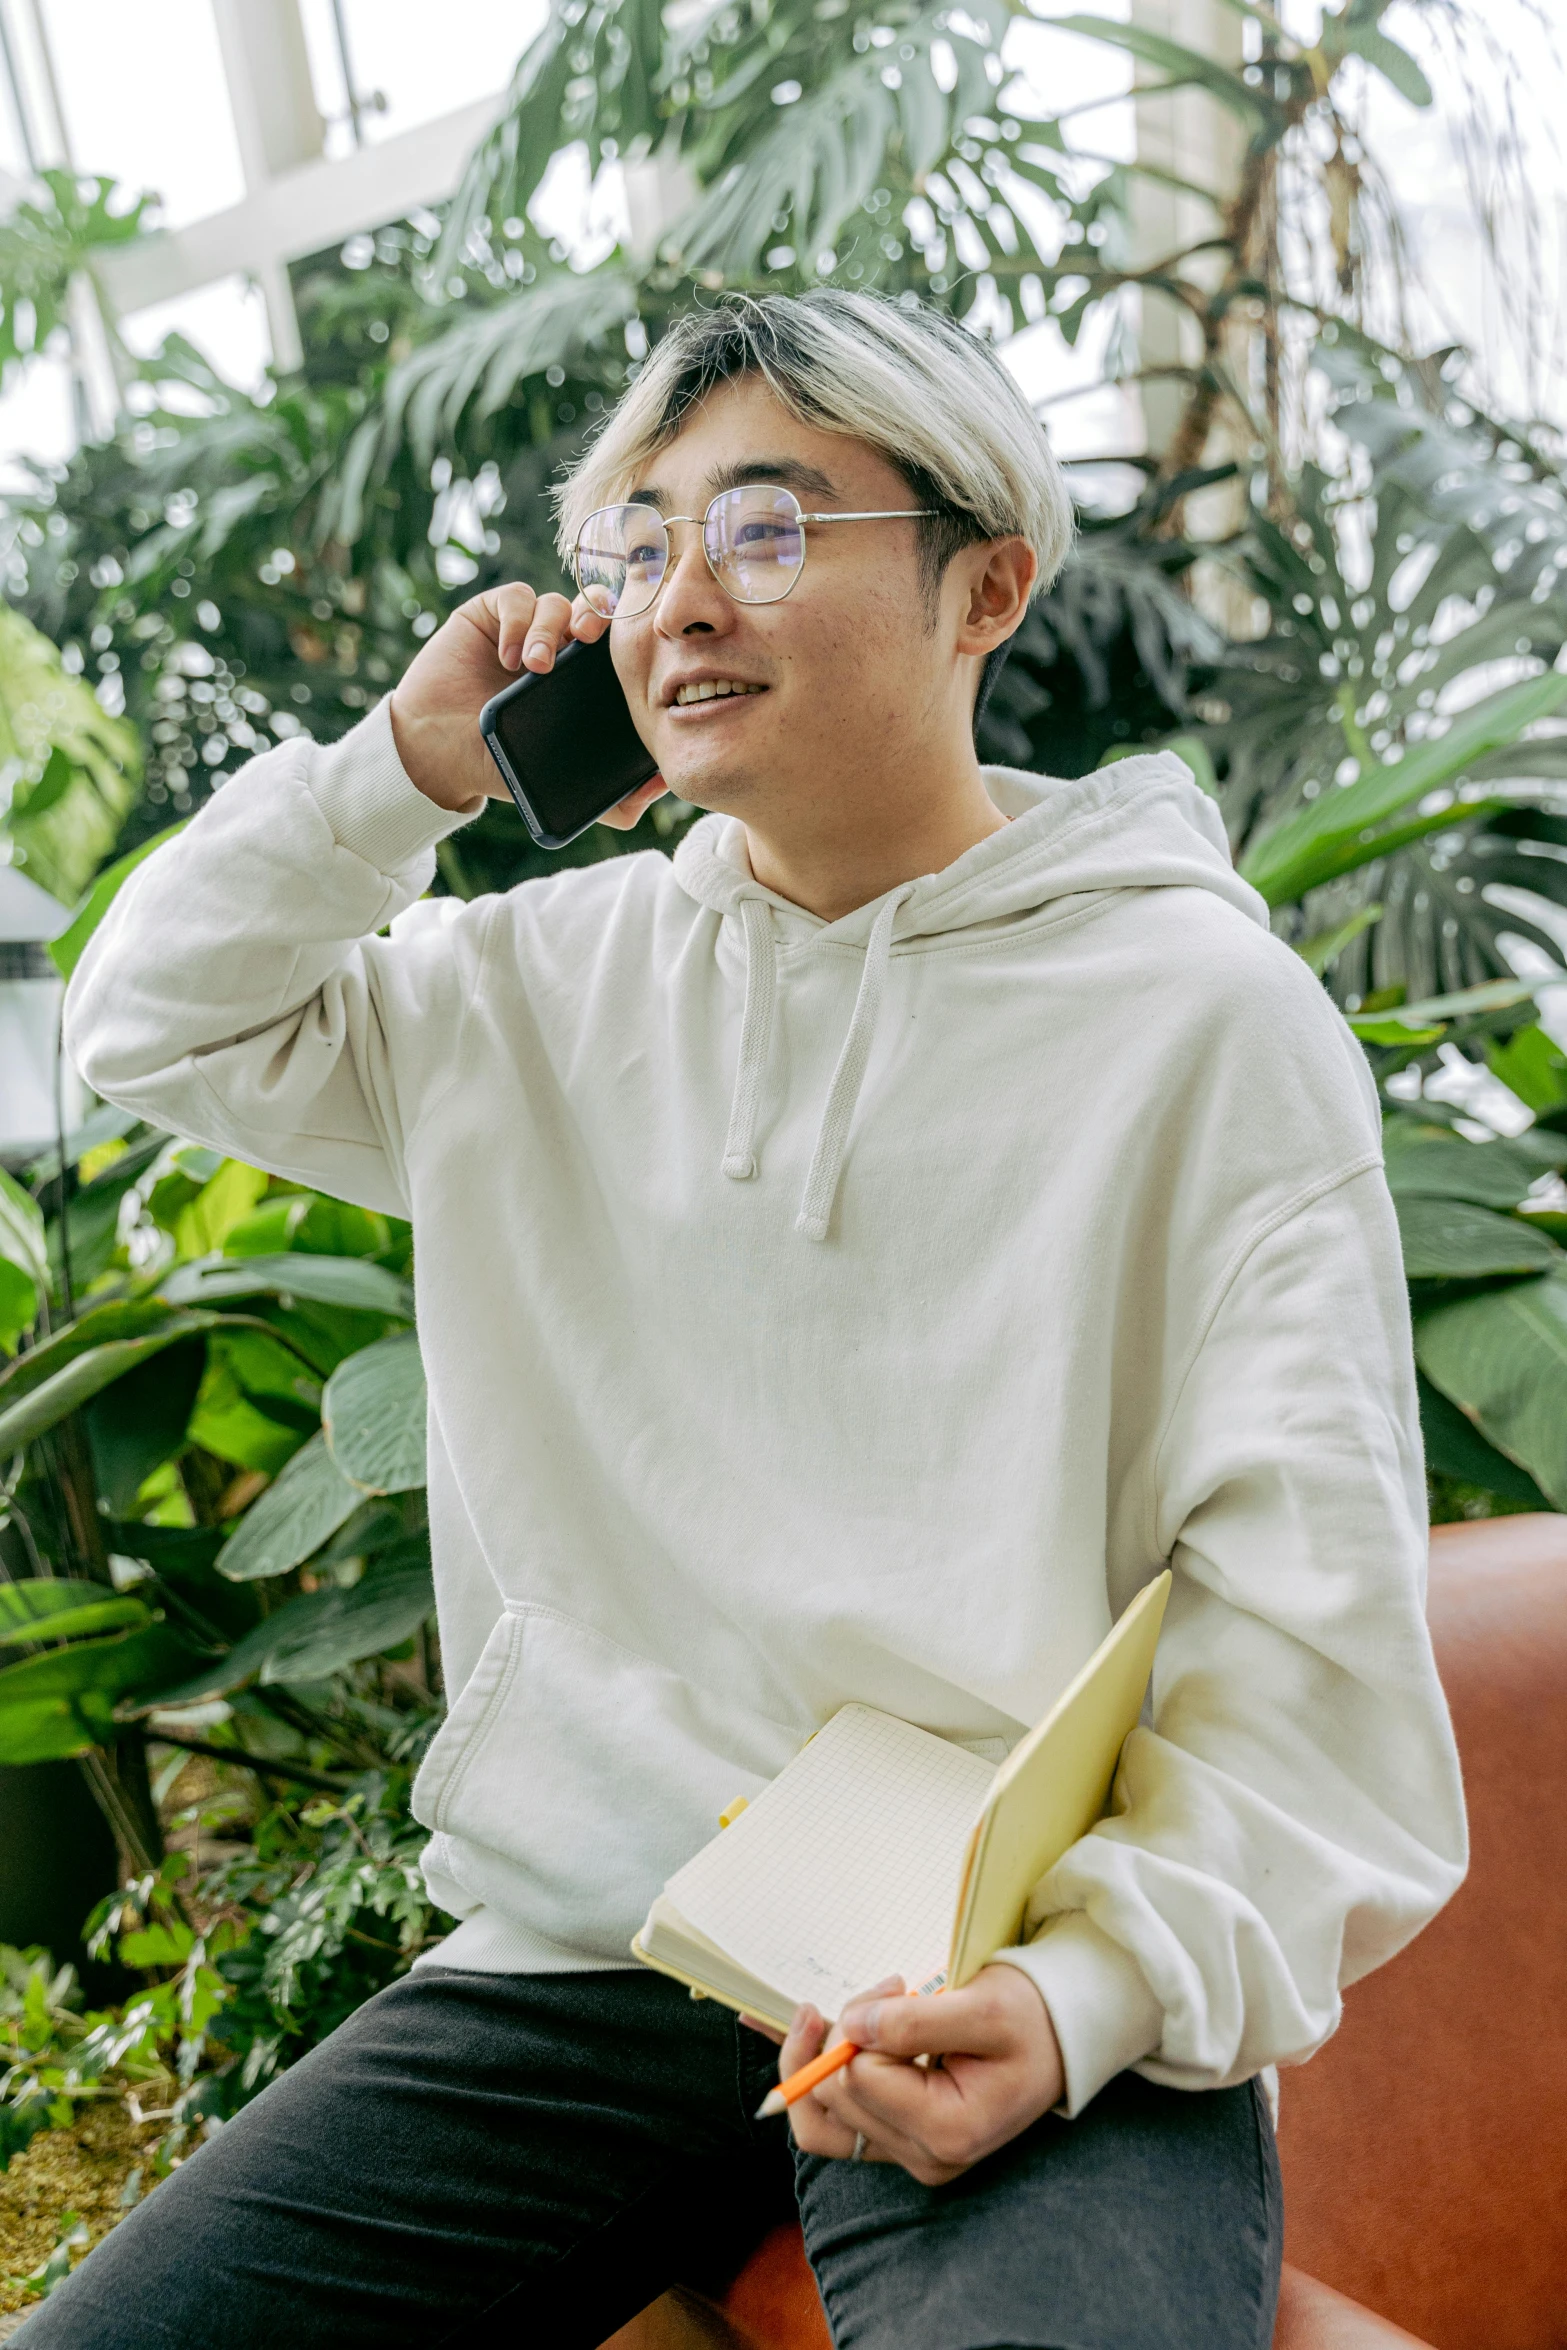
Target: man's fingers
x: 545, y: 633
x: 915, y: 2117
x: 807, y: 2031
x: 819, y: 2132
x: 972, y: 2022
x: 635, y: 806
x: 586, y: 621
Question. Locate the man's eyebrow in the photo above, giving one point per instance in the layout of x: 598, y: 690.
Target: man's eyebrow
x: 790, y: 473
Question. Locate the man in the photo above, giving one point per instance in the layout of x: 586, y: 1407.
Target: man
x: 851, y: 1259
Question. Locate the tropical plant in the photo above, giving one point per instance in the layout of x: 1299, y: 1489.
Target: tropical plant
x: 49, y: 242
x: 245, y: 1961
x: 68, y: 770
x: 215, y: 1493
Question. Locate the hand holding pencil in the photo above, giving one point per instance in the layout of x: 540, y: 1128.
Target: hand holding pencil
x: 1000, y: 2070
x: 799, y: 2083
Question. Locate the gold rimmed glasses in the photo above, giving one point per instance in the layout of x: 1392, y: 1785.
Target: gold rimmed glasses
x: 753, y: 537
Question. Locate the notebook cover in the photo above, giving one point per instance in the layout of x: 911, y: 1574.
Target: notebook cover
x: 1053, y: 1786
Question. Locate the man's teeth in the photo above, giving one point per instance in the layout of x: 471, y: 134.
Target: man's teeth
x: 711, y: 688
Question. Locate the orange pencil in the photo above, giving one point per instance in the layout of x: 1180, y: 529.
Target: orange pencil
x: 821, y: 2068
x: 800, y: 2084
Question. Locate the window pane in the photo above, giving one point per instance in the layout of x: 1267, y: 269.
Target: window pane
x: 13, y: 147
x: 227, y: 322
x: 37, y: 420
x: 421, y: 73
x: 144, y: 99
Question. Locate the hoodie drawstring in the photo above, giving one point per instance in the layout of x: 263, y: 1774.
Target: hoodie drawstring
x: 756, y: 1036
x: 821, y: 1184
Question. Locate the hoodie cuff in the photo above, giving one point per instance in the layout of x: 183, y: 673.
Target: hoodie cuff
x: 363, y: 790
x: 1104, y: 2014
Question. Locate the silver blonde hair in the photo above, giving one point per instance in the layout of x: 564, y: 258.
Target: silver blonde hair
x: 922, y: 391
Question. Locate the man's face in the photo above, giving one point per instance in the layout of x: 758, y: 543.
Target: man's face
x: 847, y: 658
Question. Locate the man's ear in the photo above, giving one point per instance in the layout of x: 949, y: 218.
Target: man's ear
x: 997, y: 578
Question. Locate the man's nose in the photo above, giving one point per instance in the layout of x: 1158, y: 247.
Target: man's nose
x: 690, y: 597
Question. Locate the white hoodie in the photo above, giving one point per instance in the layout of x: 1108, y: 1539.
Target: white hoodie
x: 857, y: 1310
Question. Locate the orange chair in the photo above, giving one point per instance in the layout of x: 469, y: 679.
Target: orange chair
x: 1425, y: 2149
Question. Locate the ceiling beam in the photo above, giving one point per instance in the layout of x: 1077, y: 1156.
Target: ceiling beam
x: 302, y: 211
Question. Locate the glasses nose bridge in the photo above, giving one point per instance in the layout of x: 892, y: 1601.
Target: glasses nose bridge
x: 676, y: 559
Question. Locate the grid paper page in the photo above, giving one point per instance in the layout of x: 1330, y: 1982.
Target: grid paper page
x: 846, y: 1868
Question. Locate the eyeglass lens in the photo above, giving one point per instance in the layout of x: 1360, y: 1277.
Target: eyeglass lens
x: 754, y: 538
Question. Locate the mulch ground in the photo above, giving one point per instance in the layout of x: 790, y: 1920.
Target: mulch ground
x: 83, y: 2169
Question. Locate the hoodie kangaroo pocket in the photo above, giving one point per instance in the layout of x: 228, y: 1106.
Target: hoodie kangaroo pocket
x: 573, y: 1776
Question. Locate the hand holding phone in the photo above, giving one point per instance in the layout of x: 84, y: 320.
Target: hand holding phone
x: 480, y: 651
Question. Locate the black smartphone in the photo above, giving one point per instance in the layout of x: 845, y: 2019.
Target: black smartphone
x: 564, y: 742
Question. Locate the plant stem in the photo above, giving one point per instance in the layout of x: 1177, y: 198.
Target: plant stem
x: 118, y: 1779
x: 296, y: 1773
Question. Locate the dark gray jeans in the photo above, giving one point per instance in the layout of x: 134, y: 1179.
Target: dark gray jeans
x: 530, y: 2159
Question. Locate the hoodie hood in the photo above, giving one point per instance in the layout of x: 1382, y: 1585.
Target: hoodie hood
x: 1141, y: 823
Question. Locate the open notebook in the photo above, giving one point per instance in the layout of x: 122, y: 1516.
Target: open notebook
x: 882, y: 1849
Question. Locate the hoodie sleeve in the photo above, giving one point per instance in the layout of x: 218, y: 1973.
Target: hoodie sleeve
x: 1294, y: 1813
x: 237, y: 992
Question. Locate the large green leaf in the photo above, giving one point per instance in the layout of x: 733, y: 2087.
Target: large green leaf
x: 74, y: 767
x: 318, y: 1633
x: 326, y: 1631
x: 590, y: 73
x: 24, y: 1260
x: 1465, y: 583
x: 181, y: 1554
x: 310, y: 1223
x: 1452, y: 1240
x: 39, y: 1407
x: 1454, y: 1447
x: 124, y: 1318
x: 63, y: 1702
x: 228, y: 1195
x: 257, y: 1403
x: 1423, y: 1023
x: 1502, y: 1358
x: 374, y: 1412
x: 1533, y: 1066
x: 1312, y: 846
x: 50, y: 1608
x: 309, y: 1500
x: 331, y: 1281
x: 139, y: 1421
x: 820, y: 159
x: 1492, y: 1174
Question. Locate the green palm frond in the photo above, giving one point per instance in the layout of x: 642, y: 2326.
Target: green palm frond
x: 823, y: 155
x: 1401, y: 614
x: 472, y: 371
x: 592, y: 74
